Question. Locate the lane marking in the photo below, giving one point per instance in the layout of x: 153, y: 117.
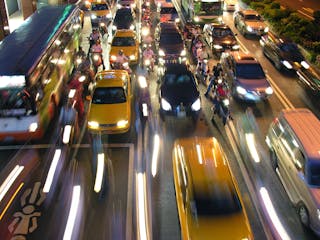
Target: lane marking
x: 11, y: 199
x: 130, y: 193
x: 305, y: 14
x: 310, y: 10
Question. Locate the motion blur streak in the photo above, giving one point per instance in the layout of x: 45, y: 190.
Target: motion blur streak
x: 252, y: 147
x: 141, y: 207
x: 52, y: 170
x: 72, y: 213
x: 156, y: 146
x: 11, y: 199
x: 99, y: 174
x: 199, y: 153
x: 66, y: 134
x: 9, y: 180
x: 272, y: 214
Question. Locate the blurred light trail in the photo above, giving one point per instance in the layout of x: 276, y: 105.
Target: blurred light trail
x: 99, y: 173
x: 52, y: 171
x: 141, y: 206
x: 252, y: 147
x: 199, y: 153
x: 9, y: 180
x: 66, y: 134
x: 72, y: 213
x: 155, y: 155
x: 11, y: 199
x: 273, y: 215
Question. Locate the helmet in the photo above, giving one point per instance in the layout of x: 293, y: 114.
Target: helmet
x: 98, y: 41
x: 120, y: 52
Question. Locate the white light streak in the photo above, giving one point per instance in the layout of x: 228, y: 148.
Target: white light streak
x: 272, y: 214
x: 145, y: 109
x: 52, y: 170
x: 199, y: 154
x: 10, y: 180
x: 252, y: 147
x: 66, y: 134
x: 154, y: 162
x: 99, y: 174
x: 72, y: 213
x: 141, y: 199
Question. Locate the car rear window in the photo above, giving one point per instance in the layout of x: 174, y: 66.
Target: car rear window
x: 123, y: 41
x: 172, y: 38
x: 166, y: 10
x: 99, y: 7
x: 108, y: 95
x: 220, y: 199
x: 249, y: 71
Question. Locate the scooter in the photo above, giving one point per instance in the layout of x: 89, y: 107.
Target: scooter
x: 96, y: 61
x: 148, y: 64
x: 144, y: 97
x: 202, y: 71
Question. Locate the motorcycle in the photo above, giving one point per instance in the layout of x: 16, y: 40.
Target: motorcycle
x: 144, y: 97
x: 96, y: 59
x: 148, y: 63
x: 202, y: 71
x: 121, y: 66
x: 223, y: 110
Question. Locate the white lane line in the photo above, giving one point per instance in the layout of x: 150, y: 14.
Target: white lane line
x: 305, y: 14
x: 130, y: 193
x: 243, y: 47
x: 310, y: 10
x: 281, y: 96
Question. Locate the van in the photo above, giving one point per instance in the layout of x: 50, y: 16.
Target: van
x: 208, y: 199
x: 294, y: 142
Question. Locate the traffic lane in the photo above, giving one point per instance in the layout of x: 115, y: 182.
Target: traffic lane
x: 285, y: 83
x: 108, y: 215
x: 258, y: 164
x: 164, y: 211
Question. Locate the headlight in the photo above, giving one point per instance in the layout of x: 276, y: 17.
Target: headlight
x: 318, y: 214
x: 161, y: 52
x: 122, y: 123
x: 133, y: 5
x: 114, y: 27
x: 269, y: 90
x: 82, y: 78
x: 132, y: 57
x: 235, y: 47
x: 196, y: 105
x: 287, y: 64
x: 113, y: 58
x: 131, y: 27
x: 216, y: 46
x: 145, y: 31
x: 102, y: 24
x: 95, y: 57
x: 266, y: 29
x: 109, y: 15
x: 119, y: 5
x: 241, y: 90
x: 305, y: 64
x: 142, y: 81
x: 165, y: 105
x: 196, y: 19
x: 183, y: 53
x: 249, y: 29
x: 33, y: 127
x: 177, y: 20
x: 147, y: 62
x: 93, y: 124
x: 93, y: 16
x: 226, y: 102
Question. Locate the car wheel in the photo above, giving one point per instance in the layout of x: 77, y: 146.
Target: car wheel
x: 303, y: 214
x: 274, y: 159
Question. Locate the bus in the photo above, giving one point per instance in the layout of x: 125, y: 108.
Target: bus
x: 202, y: 11
x: 36, y: 60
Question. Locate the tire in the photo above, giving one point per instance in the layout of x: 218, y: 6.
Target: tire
x: 303, y: 214
x: 274, y: 160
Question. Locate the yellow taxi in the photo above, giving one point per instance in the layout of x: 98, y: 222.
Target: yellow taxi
x: 100, y: 13
x: 208, y: 198
x: 110, y: 108
x: 127, y: 41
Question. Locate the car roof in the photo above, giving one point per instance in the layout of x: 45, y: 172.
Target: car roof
x: 205, y: 161
x: 250, y: 12
x: 124, y: 33
x: 111, y: 78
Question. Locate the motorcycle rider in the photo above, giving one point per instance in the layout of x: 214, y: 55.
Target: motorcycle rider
x: 77, y: 85
x: 149, y: 54
x: 94, y: 36
x: 216, y: 74
x: 97, y: 49
x: 79, y: 57
x: 122, y: 62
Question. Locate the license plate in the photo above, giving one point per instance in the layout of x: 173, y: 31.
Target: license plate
x: 181, y: 114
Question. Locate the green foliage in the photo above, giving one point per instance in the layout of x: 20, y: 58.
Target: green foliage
x: 275, y: 5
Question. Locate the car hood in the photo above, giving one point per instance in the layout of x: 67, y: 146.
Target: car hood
x: 220, y: 226
x: 109, y: 113
x: 256, y: 24
x: 171, y: 48
x: 177, y: 95
x: 228, y: 40
x: 253, y: 84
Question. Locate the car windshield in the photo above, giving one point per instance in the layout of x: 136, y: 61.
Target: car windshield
x: 252, y: 17
x: 108, y: 95
x: 172, y: 80
x: 249, y: 71
x: 172, y: 38
x: 221, y: 32
x: 289, y: 47
x: 123, y: 41
x: 168, y: 10
x: 207, y: 8
x: 314, y: 172
x: 99, y: 7
x: 16, y: 102
x: 220, y: 199
x: 123, y: 17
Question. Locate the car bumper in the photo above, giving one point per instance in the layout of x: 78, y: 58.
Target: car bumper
x: 180, y: 113
x: 252, y: 96
x: 172, y: 59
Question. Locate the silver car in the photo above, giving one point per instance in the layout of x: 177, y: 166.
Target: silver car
x: 245, y: 76
x: 249, y: 22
